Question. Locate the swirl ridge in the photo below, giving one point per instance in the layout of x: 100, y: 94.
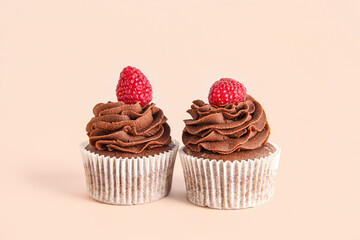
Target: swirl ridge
x: 130, y: 128
x: 226, y: 129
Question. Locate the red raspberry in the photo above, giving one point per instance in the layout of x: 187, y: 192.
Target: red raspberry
x: 133, y: 86
x: 226, y: 91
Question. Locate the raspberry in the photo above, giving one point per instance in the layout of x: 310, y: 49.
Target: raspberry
x: 226, y: 91
x: 133, y: 86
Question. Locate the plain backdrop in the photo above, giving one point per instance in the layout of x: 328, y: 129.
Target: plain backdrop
x: 300, y: 59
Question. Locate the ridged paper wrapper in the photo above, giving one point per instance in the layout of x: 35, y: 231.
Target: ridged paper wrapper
x: 128, y: 181
x: 230, y: 184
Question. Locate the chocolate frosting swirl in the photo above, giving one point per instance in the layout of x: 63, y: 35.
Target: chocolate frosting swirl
x: 128, y: 127
x: 226, y: 129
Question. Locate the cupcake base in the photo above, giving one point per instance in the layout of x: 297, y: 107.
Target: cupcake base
x: 230, y: 184
x: 129, y: 181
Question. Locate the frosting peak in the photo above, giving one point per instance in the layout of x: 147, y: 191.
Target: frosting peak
x: 226, y: 129
x: 128, y: 127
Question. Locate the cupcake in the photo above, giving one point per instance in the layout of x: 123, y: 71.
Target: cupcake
x: 129, y: 158
x: 227, y: 160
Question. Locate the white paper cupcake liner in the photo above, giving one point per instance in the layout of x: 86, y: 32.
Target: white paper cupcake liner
x: 128, y: 181
x: 229, y: 185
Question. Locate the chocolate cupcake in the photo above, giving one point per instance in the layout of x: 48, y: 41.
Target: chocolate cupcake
x: 227, y: 160
x: 129, y: 158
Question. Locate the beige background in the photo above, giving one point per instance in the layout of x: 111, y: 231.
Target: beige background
x: 300, y: 59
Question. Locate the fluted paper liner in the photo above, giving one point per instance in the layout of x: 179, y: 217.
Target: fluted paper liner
x: 230, y: 184
x: 128, y: 181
